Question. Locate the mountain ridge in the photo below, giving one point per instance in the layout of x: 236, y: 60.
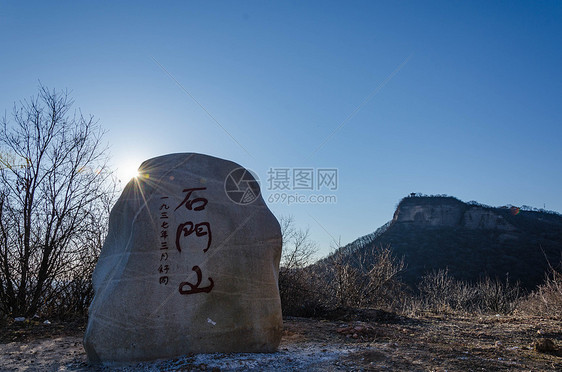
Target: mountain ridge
x: 472, y: 240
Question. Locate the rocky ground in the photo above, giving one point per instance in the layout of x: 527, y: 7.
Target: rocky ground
x: 346, y: 342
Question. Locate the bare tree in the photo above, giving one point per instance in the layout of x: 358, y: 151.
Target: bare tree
x: 298, y: 248
x: 73, y: 292
x: 367, y: 278
x: 348, y: 283
x: 384, y: 285
x: 53, y: 177
x: 295, y: 281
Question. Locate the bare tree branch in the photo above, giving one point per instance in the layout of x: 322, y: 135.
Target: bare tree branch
x: 53, y: 179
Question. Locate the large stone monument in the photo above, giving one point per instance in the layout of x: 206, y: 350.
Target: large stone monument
x: 190, y: 265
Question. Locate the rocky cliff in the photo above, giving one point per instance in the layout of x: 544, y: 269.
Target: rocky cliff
x: 449, y: 212
x: 471, y: 239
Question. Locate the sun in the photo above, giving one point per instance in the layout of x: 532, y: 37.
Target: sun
x: 131, y: 173
x: 127, y: 171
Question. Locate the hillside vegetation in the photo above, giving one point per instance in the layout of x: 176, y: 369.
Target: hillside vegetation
x: 437, y: 254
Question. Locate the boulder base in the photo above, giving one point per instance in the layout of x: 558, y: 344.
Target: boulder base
x: 190, y: 265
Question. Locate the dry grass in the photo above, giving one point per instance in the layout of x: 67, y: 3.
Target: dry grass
x: 547, y: 299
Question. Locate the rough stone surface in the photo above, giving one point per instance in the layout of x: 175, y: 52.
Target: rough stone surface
x: 480, y: 218
x: 186, y: 271
x: 449, y: 212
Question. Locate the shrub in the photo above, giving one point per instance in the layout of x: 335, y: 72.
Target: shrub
x: 546, y: 301
x: 350, y: 281
x: 439, y: 292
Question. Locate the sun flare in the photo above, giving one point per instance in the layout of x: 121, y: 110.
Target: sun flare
x: 127, y: 172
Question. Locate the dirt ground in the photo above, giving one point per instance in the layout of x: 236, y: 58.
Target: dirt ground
x: 363, y: 341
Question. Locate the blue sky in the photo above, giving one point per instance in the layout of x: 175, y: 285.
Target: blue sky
x: 438, y: 97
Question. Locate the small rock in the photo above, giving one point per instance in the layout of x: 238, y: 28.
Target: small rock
x: 544, y: 345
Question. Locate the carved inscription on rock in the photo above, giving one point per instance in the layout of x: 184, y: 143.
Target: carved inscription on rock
x: 193, y: 202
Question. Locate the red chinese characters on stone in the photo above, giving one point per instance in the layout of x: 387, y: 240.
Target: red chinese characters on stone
x: 194, y: 288
x: 201, y: 229
x: 189, y: 203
